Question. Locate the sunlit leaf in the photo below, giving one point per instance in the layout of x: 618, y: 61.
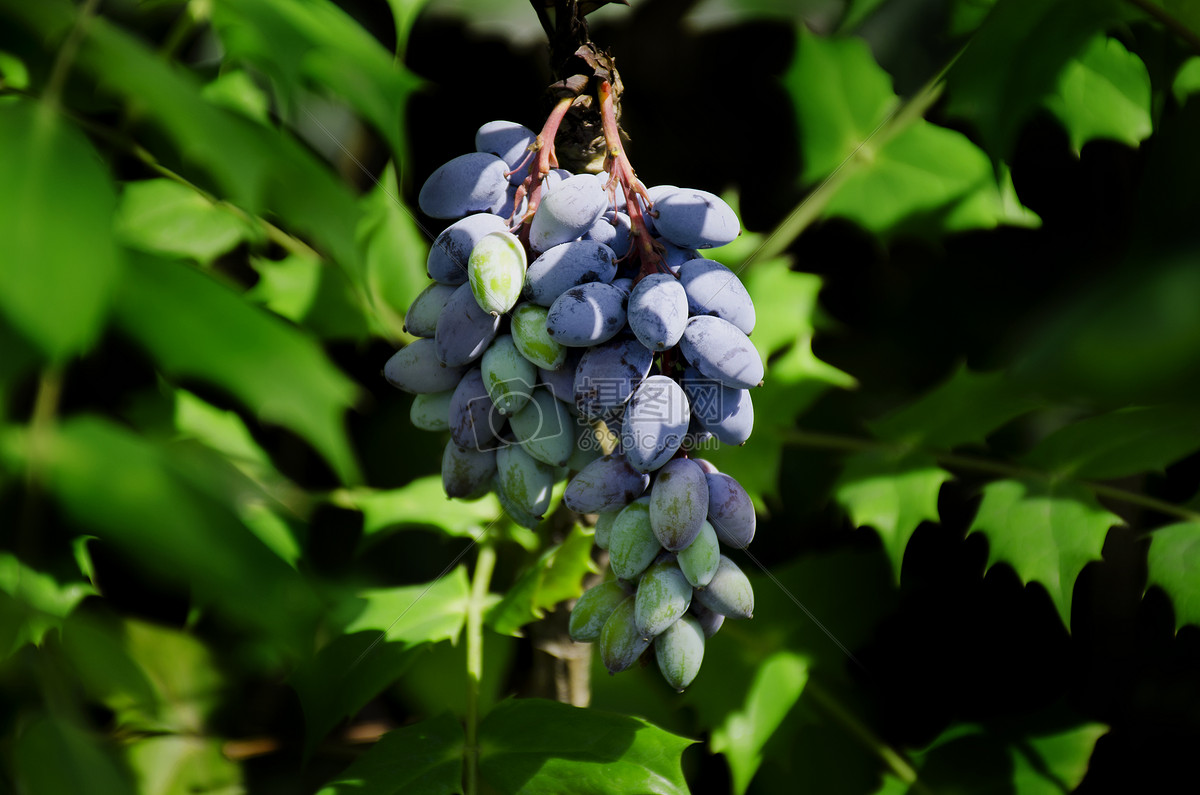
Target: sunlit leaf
x: 963, y: 410
x: 1034, y: 39
x: 423, y: 502
x: 51, y: 757
x: 196, y: 328
x: 893, y: 493
x: 423, y: 759
x: 555, y: 576
x: 164, y: 217
x: 532, y: 745
x: 383, y: 629
x: 59, y: 264
x: 1047, y: 763
x: 32, y: 603
x: 1172, y: 563
x: 1047, y: 531
x: 1104, y: 92
x: 183, y: 765
x: 778, y: 683
x: 1120, y: 443
x: 312, y: 294
x: 396, y: 251
x: 1187, y: 80
x: 236, y: 90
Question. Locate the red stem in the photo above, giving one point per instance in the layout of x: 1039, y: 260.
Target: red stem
x: 545, y: 160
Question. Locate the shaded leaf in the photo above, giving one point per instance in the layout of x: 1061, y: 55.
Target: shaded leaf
x: 383, y: 629
x: 893, y: 493
x: 1104, y: 92
x: 126, y: 490
x: 422, y: 502
x: 164, y: 217
x: 397, y: 249
x: 778, y: 683
x: 555, y: 576
x: 1051, y: 764
x: 1034, y: 39
x: 55, y: 287
x: 51, y: 757
x: 1120, y: 443
x: 422, y: 759
x: 857, y: 11
x: 183, y: 765
x: 962, y: 410
x: 197, y: 328
x: 1047, y: 531
x: 535, y: 746
x: 1187, y: 80
x: 1172, y: 563
x: 236, y: 90
x: 317, y: 45
x: 32, y: 603
x: 311, y: 294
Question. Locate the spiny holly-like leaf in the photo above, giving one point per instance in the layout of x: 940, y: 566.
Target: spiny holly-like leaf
x: 531, y: 745
x: 892, y: 492
x: 1034, y: 40
x: 52, y: 756
x: 778, y: 683
x: 918, y: 178
x: 59, y: 264
x: 555, y: 576
x: 1046, y: 530
x: 32, y: 603
x: 841, y: 97
x: 422, y: 502
x: 196, y: 328
x: 1104, y: 92
x: 1120, y: 443
x: 383, y: 630
x: 1172, y: 563
x: 423, y: 759
x: 963, y: 410
x: 164, y: 217
x: 786, y: 303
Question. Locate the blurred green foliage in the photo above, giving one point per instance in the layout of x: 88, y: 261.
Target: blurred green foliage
x: 226, y: 564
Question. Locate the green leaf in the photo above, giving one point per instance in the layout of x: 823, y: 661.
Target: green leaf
x: 396, y: 252
x: 557, y: 575
x: 181, y: 671
x: 857, y: 11
x: 1187, y: 80
x: 778, y: 683
x: 236, y: 90
x: 32, y: 603
x: 383, y: 630
x: 927, y: 180
x: 1051, y: 764
x: 52, y: 757
x: 196, y: 328
x: 422, y: 759
x: 126, y: 490
x: 536, y: 746
x: 1172, y: 563
x: 893, y: 492
x: 1047, y: 531
x: 840, y: 96
x: 786, y: 303
x: 164, y: 217
x: 1120, y: 443
x: 1034, y: 40
x: 317, y: 45
x: 918, y: 178
x: 183, y: 765
x: 58, y: 262
x: 1104, y: 92
x: 422, y: 502
x: 404, y: 13
x: 963, y: 410
x: 311, y: 294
